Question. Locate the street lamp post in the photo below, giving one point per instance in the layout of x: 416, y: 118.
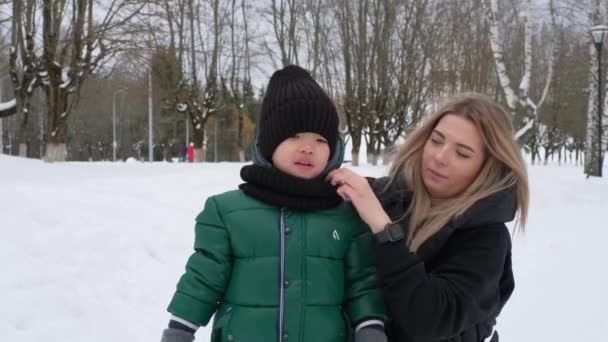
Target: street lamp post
x: 598, y: 33
x: 114, y: 143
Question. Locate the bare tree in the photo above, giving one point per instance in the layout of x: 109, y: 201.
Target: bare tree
x: 313, y: 27
x: 23, y: 64
x: 77, y: 39
x: 411, y: 89
x: 385, y: 52
x: 283, y: 15
x: 196, y: 29
x: 462, y: 58
x: 381, y: 61
x: 522, y: 98
x: 240, y: 74
x: 384, y: 61
x: 352, y: 19
x: 201, y: 107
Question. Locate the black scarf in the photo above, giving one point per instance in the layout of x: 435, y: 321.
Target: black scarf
x: 272, y: 186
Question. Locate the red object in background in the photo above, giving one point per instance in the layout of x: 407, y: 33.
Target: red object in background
x: 190, y: 152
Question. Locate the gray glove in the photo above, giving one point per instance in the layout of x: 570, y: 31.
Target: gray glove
x: 176, y: 335
x: 370, y: 334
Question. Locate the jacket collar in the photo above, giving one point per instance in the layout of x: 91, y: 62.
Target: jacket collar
x: 499, y: 207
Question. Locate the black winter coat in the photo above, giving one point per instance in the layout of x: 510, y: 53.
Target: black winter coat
x: 453, y: 288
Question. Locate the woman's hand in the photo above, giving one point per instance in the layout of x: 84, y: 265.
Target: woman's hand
x: 355, y: 188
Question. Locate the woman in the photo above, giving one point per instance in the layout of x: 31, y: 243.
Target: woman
x: 443, y: 252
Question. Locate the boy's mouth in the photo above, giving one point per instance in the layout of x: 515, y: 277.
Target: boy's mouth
x: 303, y: 163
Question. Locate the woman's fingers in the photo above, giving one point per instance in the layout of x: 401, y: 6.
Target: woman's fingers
x: 331, y: 177
x: 352, y: 187
x: 336, y: 177
x: 358, y: 191
x: 343, y: 191
x: 345, y: 176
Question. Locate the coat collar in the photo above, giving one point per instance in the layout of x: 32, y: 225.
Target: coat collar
x: 497, y: 208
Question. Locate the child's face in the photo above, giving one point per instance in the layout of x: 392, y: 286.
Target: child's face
x: 304, y: 155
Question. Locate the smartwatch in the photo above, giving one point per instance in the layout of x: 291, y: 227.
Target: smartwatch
x: 392, y: 232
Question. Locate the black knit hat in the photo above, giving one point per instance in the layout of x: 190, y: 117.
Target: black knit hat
x: 294, y: 103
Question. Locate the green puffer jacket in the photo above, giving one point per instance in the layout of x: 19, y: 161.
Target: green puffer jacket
x: 324, y: 284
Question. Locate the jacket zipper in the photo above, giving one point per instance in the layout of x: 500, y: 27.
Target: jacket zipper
x: 281, y: 274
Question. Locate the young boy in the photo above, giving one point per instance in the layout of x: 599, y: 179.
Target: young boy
x: 282, y: 258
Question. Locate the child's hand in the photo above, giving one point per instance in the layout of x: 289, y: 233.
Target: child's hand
x: 370, y: 334
x: 177, y: 335
x: 355, y: 188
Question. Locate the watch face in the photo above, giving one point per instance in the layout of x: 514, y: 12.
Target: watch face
x: 391, y: 233
x: 382, y: 236
x: 395, y: 232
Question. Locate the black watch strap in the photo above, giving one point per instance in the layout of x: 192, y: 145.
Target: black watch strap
x: 392, y: 232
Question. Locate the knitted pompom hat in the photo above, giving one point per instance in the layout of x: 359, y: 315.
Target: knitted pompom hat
x: 294, y: 103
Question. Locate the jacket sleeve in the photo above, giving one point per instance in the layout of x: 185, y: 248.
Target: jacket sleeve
x: 202, y: 286
x: 363, y: 299
x: 461, y: 290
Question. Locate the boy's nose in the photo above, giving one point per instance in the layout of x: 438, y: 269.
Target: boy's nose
x: 306, y: 148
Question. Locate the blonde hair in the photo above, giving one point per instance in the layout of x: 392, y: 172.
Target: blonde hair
x: 503, y: 166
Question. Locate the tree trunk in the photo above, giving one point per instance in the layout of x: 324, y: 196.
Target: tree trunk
x: 522, y: 97
x: 56, y: 152
x: 355, y: 156
x: 385, y: 157
x: 240, y: 138
x: 199, y: 155
x: 591, y: 153
x: 23, y: 135
x: 372, y: 158
x: 58, y: 124
x: 198, y: 136
x: 22, y: 150
x: 498, y: 55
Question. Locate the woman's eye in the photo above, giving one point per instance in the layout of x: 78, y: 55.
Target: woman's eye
x: 462, y: 155
x: 435, y: 141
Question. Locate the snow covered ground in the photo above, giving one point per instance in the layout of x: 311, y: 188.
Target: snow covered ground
x: 92, y: 251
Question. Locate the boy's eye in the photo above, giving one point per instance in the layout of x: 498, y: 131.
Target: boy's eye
x: 323, y: 141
